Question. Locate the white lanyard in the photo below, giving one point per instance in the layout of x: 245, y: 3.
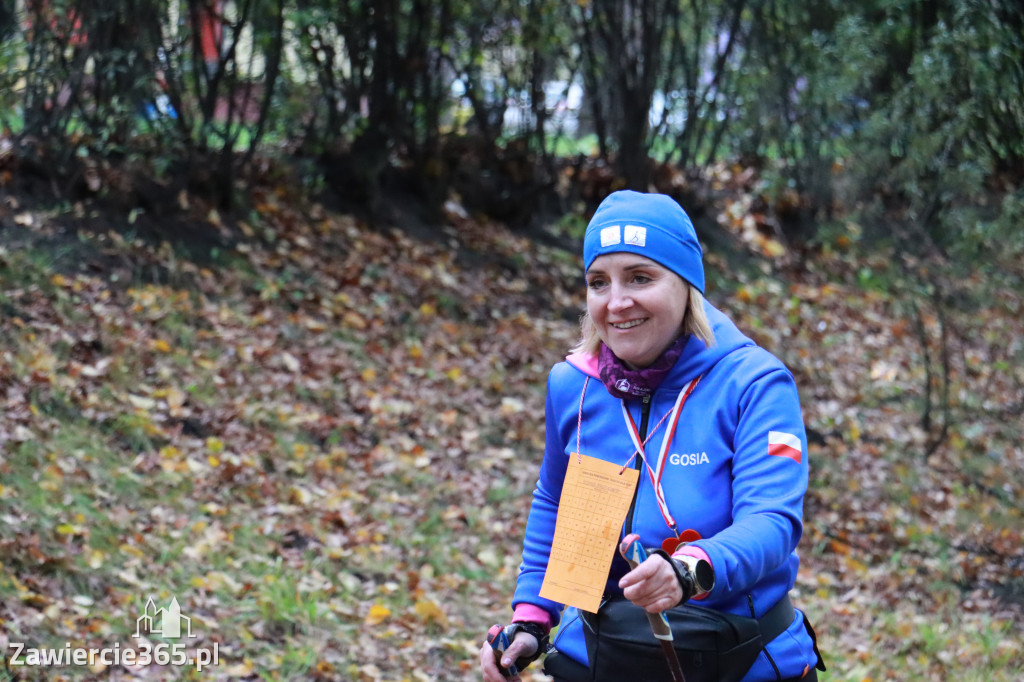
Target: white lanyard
x: 659, y: 470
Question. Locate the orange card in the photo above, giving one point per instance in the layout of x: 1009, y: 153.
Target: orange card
x: 594, y: 503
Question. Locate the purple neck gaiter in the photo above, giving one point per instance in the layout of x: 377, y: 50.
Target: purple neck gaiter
x: 623, y: 382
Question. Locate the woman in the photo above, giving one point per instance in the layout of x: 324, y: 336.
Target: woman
x: 732, y: 481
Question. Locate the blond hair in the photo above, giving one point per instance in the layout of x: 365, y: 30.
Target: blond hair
x: 695, y: 322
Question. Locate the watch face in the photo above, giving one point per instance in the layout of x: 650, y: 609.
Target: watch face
x: 704, y: 575
x: 702, y: 572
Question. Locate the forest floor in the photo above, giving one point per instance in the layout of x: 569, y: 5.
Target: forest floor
x: 321, y: 438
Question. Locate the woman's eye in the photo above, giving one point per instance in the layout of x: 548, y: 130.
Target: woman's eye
x: 641, y: 279
x: 596, y: 283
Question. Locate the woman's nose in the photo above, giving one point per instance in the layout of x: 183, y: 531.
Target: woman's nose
x: 620, y: 298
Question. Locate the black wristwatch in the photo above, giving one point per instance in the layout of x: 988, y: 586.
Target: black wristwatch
x: 701, y: 570
x: 695, y: 576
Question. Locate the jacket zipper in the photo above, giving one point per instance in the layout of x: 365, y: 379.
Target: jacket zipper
x: 645, y: 412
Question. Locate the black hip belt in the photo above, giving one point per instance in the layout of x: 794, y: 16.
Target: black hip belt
x: 777, y: 620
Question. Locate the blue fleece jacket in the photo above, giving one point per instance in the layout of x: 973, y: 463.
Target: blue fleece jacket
x: 720, y: 480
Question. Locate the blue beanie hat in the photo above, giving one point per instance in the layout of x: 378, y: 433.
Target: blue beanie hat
x: 651, y: 225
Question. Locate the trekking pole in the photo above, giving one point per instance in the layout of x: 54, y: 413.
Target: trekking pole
x: 635, y: 555
x: 498, y: 640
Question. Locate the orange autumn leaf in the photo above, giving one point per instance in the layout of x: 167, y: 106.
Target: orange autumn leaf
x: 378, y: 614
x: 430, y: 612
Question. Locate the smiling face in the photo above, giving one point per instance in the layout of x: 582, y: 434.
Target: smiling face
x: 637, y: 306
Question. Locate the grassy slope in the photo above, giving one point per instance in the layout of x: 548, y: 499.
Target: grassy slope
x: 322, y: 442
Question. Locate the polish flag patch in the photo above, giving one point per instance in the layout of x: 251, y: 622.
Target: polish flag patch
x: 784, y: 444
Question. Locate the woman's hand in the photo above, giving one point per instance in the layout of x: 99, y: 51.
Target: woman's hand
x: 652, y: 585
x: 524, y: 644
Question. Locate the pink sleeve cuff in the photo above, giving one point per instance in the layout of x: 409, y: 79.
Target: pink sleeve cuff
x: 696, y: 553
x: 528, y: 613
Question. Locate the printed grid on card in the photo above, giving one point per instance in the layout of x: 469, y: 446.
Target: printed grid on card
x: 593, y: 505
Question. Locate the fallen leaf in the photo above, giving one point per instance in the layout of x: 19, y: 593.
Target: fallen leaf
x: 430, y: 612
x: 378, y: 614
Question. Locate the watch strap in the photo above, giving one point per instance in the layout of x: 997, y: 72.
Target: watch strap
x: 695, y: 578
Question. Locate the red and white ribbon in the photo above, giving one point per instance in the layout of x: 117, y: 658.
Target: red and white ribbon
x: 659, y: 470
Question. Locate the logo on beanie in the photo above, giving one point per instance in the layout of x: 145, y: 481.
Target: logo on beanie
x: 610, y: 236
x: 636, y: 235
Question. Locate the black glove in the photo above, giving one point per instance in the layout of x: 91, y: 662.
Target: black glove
x: 539, y: 633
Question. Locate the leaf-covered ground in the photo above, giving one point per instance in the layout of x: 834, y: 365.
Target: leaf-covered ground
x: 321, y: 438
